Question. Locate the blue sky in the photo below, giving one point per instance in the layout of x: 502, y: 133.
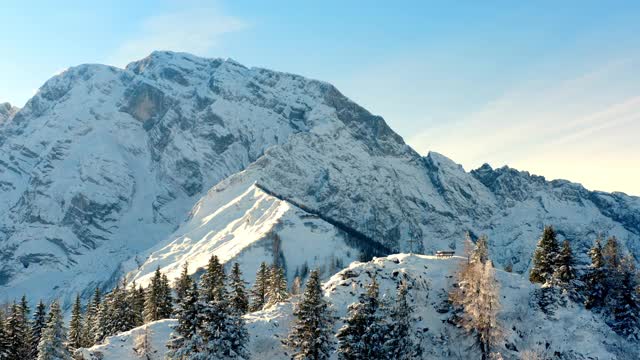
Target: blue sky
x: 552, y: 87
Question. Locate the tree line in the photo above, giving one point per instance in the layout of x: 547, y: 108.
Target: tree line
x: 221, y: 302
x: 609, y: 286
x: 209, y: 311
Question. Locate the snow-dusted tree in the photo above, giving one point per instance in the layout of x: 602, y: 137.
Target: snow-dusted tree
x: 184, y: 282
x: 362, y: 336
x: 185, y: 341
x: 544, y: 257
x: 38, y: 325
x: 136, y: 300
x: 564, y: 274
x: 99, y: 328
x: 52, y: 345
x: 18, y: 332
x: 116, y: 313
x: 213, y: 280
x: 152, y: 298
x: 611, y: 253
x: 277, y: 290
x: 595, y: 278
x: 239, y: 300
x: 142, y: 344
x: 296, y: 286
x: 623, y: 299
x: 310, y: 336
x: 75, y: 325
x: 121, y: 315
x: 480, y: 304
x: 165, y: 298
x: 260, y: 287
x: 481, y: 251
x: 26, y: 311
x: 4, y: 339
x: 222, y: 329
x: 399, y: 342
x: 475, y: 254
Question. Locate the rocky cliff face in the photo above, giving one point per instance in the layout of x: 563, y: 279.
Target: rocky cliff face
x: 103, y: 165
x: 7, y: 111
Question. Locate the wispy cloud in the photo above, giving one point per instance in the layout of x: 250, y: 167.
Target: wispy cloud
x: 580, y: 128
x: 195, y: 30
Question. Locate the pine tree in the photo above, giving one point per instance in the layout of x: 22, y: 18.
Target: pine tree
x: 399, y: 344
x: 75, y: 325
x: 99, y: 328
x: 595, y: 278
x: 223, y: 330
x: 239, y: 300
x: 5, y: 344
x: 152, y: 298
x: 165, y: 305
x: 18, y: 333
x: 544, y: 257
x: 54, y: 337
x: 362, y: 336
x: 24, y: 305
x: 39, y: 323
x: 564, y: 274
x: 277, y: 286
x: 310, y: 336
x: 184, y: 282
x: 27, y: 324
x: 91, y: 318
x: 624, y: 305
x: 116, y: 314
x: 136, y: 299
x: 185, y: 340
x: 213, y: 279
x: 260, y: 287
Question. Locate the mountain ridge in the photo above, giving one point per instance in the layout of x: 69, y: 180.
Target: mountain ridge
x: 110, y: 161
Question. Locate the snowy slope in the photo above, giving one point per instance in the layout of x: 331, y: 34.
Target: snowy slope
x: 243, y: 229
x: 572, y: 332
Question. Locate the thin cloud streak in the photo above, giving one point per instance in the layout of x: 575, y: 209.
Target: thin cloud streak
x: 573, y: 122
x: 196, y: 30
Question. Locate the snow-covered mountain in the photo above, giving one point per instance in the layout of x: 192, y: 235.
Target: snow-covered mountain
x: 7, y: 111
x: 571, y: 332
x: 108, y: 171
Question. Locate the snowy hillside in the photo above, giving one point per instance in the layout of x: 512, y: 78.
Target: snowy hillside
x: 243, y: 228
x: 571, y: 333
x: 110, y: 171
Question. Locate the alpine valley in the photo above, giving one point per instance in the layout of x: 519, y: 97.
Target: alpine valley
x: 109, y: 173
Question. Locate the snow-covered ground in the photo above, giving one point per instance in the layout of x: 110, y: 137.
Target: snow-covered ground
x: 571, y: 332
x: 241, y: 225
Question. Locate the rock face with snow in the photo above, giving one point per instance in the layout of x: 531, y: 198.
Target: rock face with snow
x: 571, y: 332
x: 108, y: 171
x: 7, y: 111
